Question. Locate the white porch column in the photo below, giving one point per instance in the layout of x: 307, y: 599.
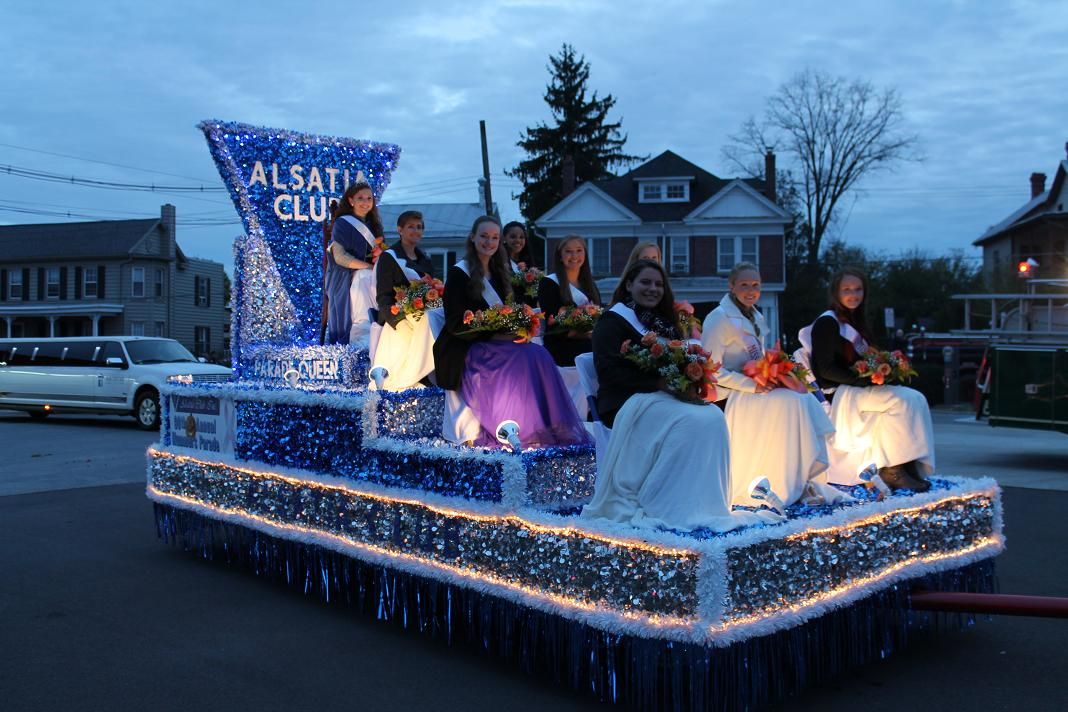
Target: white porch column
x: 51, y: 326
x: 96, y: 325
x: 10, y: 324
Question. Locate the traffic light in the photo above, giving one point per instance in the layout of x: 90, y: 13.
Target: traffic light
x: 1026, y: 268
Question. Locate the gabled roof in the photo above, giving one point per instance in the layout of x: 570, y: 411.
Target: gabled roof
x: 605, y: 202
x: 440, y: 219
x: 668, y: 164
x: 735, y: 187
x: 1038, y: 207
x: 76, y: 240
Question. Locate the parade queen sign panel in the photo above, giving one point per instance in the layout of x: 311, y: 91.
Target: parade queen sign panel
x: 282, y: 183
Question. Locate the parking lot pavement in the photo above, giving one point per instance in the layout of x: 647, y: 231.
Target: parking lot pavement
x: 1033, y: 459
x: 96, y: 613
x: 68, y: 451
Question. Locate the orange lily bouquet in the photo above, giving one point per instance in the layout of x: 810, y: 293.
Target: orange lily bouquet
x: 581, y: 319
x: 526, y: 280
x: 508, y: 318
x: 688, y: 369
x: 417, y: 297
x: 778, y: 370
x: 884, y: 367
x: 688, y: 323
x: 377, y: 250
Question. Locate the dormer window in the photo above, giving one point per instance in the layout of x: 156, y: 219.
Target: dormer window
x: 664, y: 190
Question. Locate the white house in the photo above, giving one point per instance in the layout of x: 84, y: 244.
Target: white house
x: 703, y: 224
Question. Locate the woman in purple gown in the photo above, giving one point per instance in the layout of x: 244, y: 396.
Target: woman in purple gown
x: 497, y: 378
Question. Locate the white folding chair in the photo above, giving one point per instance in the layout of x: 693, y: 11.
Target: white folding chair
x: 587, y: 375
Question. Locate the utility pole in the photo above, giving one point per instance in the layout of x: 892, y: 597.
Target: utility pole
x: 485, y: 168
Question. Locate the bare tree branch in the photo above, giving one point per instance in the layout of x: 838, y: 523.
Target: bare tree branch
x: 836, y: 132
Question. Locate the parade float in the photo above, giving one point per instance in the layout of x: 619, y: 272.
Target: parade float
x: 300, y: 472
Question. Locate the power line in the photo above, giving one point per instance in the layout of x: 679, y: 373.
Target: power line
x: 103, y: 163
x: 49, y: 177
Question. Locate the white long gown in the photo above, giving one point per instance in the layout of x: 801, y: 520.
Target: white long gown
x: 667, y: 464
x: 877, y: 425
x: 407, y: 350
x: 781, y: 434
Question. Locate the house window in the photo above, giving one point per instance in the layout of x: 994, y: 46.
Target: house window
x: 600, y: 256
x: 52, y: 283
x: 14, y: 287
x: 203, y: 284
x: 680, y: 255
x: 201, y: 341
x: 733, y: 250
x: 137, y: 328
x: 159, y: 328
x: 665, y: 192
x: 159, y: 283
x: 89, y: 284
x: 651, y: 193
x: 137, y: 285
x: 676, y: 191
x: 442, y: 259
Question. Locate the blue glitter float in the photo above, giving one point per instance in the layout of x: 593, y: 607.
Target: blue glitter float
x: 281, y: 183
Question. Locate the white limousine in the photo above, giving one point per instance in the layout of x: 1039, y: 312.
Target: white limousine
x: 95, y: 374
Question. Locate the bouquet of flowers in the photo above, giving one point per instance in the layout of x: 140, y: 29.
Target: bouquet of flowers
x: 417, y: 297
x: 508, y: 318
x: 777, y: 369
x: 377, y: 250
x: 575, y: 318
x: 525, y: 281
x: 688, y: 323
x: 884, y: 367
x: 688, y: 369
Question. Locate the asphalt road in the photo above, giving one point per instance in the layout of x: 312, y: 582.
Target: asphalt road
x: 97, y: 614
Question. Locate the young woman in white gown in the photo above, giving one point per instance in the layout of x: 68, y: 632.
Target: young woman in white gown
x: 775, y: 432
x: 405, y: 348
x: 667, y: 463
x: 888, y: 426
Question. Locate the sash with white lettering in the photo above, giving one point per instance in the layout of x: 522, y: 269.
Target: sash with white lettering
x: 360, y: 228
x: 846, y: 331
x: 628, y: 314
x: 577, y: 295
x: 488, y: 292
x: 402, y: 262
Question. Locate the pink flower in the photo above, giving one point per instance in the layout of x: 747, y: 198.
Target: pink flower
x: 649, y: 339
x: 657, y: 350
x: 469, y: 316
x: 625, y: 347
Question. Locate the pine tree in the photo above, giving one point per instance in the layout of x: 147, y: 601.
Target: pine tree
x: 581, y: 131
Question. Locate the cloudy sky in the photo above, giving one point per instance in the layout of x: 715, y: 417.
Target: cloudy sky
x: 112, y: 91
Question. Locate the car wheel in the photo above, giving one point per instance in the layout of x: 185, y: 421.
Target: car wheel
x: 146, y: 410
x: 38, y: 414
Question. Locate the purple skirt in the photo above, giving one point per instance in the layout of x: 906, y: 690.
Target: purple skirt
x: 507, y: 381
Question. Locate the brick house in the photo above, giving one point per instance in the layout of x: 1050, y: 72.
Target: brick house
x: 704, y: 225
x: 1037, y: 230
x: 110, y: 278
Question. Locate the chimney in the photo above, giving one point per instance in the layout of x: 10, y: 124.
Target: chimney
x: 769, y: 174
x: 1038, y: 184
x: 567, y: 177
x: 167, y: 223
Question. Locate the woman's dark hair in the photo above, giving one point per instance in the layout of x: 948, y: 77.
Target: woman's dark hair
x: 525, y: 255
x: 666, y: 307
x: 585, y: 277
x: 344, y: 207
x: 498, y: 265
x: 855, y: 317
